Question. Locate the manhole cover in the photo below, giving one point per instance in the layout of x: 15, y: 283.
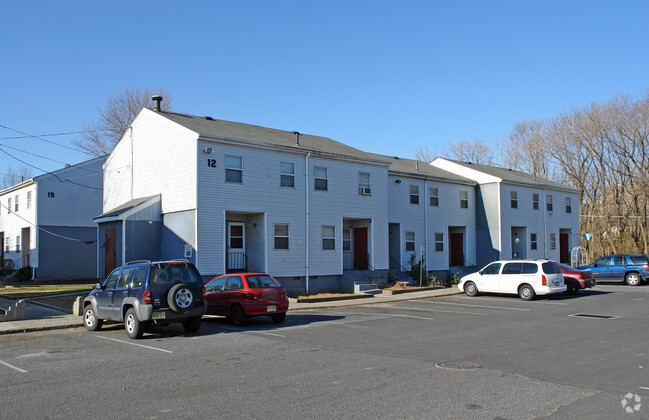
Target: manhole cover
x: 458, y: 365
x: 593, y: 316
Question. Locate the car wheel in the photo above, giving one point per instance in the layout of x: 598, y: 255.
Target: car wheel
x: 90, y: 319
x: 633, y: 279
x: 192, y: 324
x: 471, y: 289
x: 238, y: 315
x: 180, y: 298
x: 278, y: 318
x: 526, y: 292
x: 134, y: 328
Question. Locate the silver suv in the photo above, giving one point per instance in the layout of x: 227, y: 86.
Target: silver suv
x: 142, y: 293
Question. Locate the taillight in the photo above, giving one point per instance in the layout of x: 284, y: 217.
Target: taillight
x: 250, y: 296
x: 283, y: 295
x: 146, y: 296
x: 544, y: 281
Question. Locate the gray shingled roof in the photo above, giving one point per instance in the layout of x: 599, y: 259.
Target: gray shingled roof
x: 124, y: 207
x: 213, y: 128
x: 512, y: 176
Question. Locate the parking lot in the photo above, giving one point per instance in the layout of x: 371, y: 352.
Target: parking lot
x: 570, y: 356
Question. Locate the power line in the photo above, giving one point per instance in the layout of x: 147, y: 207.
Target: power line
x: 27, y: 136
x: 37, y: 137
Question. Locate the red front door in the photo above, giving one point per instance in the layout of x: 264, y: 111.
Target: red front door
x: 360, y: 249
x: 457, y: 249
x: 564, y: 248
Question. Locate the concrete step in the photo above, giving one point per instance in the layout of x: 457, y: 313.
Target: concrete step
x: 366, y: 288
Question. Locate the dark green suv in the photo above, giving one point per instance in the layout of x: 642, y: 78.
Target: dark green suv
x: 142, y: 293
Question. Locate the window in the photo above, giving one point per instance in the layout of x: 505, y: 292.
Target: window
x: 328, y: 237
x: 513, y: 199
x: 9, y: 205
x: 434, y: 197
x: 532, y: 240
x: 234, y: 283
x: 568, y: 205
x: 29, y: 199
x: 7, y: 244
x: 529, y: 268
x: 138, y: 278
x: 513, y: 268
x: 553, y: 241
x: 464, y: 199
x: 347, y: 239
x: 410, y: 241
x: 281, y: 235
x: 492, y: 269
x: 414, y: 194
x: 320, y: 178
x: 364, y: 183
x: 548, y: 202
x: 16, y: 203
x: 535, y: 201
x: 287, y: 174
x: 18, y: 243
x: 233, y: 169
x: 439, y: 241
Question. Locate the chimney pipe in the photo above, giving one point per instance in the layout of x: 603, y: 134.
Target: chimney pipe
x: 156, y: 102
x: 297, y: 137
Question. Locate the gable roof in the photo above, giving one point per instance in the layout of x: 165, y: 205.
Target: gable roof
x: 207, y: 127
x: 127, y: 208
x: 512, y: 176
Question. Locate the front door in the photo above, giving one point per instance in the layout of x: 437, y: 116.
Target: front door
x: 564, y: 248
x: 110, y: 251
x: 236, y: 246
x: 360, y: 249
x: 457, y: 249
x: 25, y: 245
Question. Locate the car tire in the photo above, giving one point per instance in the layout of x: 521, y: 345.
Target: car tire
x: 633, y: 279
x: 192, y: 324
x: 278, y: 318
x: 238, y: 315
x: 133, y: 326
x: 180, y: 298
x: 526, y: 292
x: 90, y: 320
x: 471, y: 289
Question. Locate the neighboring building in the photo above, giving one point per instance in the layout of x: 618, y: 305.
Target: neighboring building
x: 47, y: 222
x: 520, y: 215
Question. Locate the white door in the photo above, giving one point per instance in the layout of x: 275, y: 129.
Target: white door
x: 236, y: 246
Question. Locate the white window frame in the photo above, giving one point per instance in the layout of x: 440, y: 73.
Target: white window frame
x: 548, y: 202
x: 16, y: 207
x: 324, y: 180
x: 229, y: 169
x: 364, y: 183
x: 464, y: 199
x: 513, y: 199
x: 281, y: 235
x: 18, y: 243
x: 553, y: 241
x: 439, y: 242
x: 414, y: 194
x: 535, y: 201
x: 328, y: 241
x: 410, y: 241
x: 533, y: 241
x: 29, y: 199
x: 568, y: 205
x: 433, y: 192
x: 287, y: 174
x: 9, y: 204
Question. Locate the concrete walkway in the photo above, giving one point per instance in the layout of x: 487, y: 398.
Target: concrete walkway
x: 41, y: 318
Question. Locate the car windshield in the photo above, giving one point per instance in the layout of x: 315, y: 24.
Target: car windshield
x: 551, y: 267
x: 165, y: 274
x: 262, y: 282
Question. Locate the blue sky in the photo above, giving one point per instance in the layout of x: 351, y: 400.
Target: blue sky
x: 381, y: 76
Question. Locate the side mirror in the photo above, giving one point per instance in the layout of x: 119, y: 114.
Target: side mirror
x: 97, y: 286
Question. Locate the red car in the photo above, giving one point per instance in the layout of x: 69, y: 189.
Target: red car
x: 576, y: 279
x: 242, y: 295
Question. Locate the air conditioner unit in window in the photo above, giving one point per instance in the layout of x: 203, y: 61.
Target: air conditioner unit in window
x: 364, y: 190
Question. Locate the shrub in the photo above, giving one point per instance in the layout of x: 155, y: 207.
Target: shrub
x: 24, y: 273
x: 417, y: 268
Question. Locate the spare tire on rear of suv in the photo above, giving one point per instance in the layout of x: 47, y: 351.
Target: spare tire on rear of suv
x: 180, y: 298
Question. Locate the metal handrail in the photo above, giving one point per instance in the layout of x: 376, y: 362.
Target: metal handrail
x: 371, y: 275
x: 399, y: 271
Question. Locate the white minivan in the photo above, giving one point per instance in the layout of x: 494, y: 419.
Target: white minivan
x: 526, y: 278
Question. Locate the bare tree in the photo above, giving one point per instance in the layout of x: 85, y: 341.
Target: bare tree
x: 115, y: 117
x: 476, y: 151
x: 13, y: 176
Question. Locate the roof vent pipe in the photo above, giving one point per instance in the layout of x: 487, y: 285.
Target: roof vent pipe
x: 297, y: 137
x: 156, y: 102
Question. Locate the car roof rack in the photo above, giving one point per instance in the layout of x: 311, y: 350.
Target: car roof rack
x: 139, y: 262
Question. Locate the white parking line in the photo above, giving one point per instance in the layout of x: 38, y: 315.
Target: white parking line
x: 13, y: 367
x: 412, y: 316
x: 134, y: 344
x: 643, y: 387
x: 516, y: 300
x: 440, y: 310
x: 473, y: 306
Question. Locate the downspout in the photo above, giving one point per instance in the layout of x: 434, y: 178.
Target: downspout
x: 306, y: 190
x: 544, y: 208
x: 132, y: 172
x: 500, y: 224
x: 426, y: 202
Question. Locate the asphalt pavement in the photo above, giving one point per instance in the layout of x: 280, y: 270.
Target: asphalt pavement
x: 41, y: 317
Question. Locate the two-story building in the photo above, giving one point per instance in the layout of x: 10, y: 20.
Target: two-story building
x: 519, y: 215
x: 46, y: 222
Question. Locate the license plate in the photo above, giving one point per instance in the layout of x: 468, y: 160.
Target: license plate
x: 158, y: 315
x: 556, y: 283
x: 271, y: 308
